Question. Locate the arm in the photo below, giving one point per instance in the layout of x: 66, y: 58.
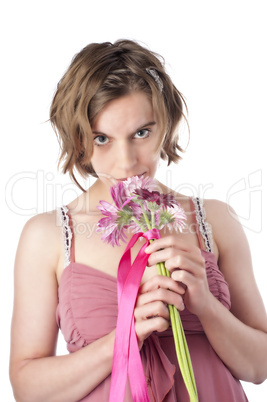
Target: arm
x: 36, y: 373
x: 238, y: 336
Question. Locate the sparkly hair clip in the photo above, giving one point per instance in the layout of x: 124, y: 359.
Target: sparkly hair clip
x: 156, y: 77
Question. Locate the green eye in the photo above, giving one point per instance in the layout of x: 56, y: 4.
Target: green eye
x: 101, y: 140
x: 144, y: 133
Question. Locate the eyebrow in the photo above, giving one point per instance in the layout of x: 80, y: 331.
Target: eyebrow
x: 150, y: 123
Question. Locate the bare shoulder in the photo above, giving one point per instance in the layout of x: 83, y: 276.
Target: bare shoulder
x: 235, y: 262
x: 41, y: 240
x: 227, y: 231
x: 214, y: 207
x: 34, y: 329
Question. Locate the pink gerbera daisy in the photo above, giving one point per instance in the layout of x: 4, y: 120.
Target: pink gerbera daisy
x: 137, y: 182
x: 111, y: 231
x: 173, y: 218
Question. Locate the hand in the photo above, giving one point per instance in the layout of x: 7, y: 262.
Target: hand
x: 187, y: 267
x: 151, y: 311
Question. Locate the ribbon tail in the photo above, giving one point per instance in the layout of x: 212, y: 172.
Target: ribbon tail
x: 126, y: 358
x: 125, y: 265
x: 138, y: 388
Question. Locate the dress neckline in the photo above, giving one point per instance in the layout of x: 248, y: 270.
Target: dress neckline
x: 206, y: 254
x: 95, y: 270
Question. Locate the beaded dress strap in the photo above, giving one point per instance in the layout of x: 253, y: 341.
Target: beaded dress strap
x: 202, y: 226
x: 68, y: 235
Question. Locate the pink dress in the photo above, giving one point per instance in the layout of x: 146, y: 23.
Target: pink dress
x: 87, y: 311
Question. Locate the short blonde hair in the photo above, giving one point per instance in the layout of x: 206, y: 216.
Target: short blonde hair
x: 98, y: 74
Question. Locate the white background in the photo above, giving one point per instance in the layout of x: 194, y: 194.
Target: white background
x: 216, y: 54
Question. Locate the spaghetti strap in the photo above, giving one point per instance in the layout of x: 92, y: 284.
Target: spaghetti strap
x: 72, y: 246
x: 192, y: 207
x: 68, y: 235
x: 203, y: 229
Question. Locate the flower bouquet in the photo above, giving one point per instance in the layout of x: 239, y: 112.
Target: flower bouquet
x: 143, y: 211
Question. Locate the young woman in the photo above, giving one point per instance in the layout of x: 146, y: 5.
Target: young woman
x: 116, y: 113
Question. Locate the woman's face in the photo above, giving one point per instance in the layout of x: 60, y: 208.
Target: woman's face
x: 126, y: 135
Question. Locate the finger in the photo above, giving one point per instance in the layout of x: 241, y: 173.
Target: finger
x: 151, y: 310
x: 184, y: 277
x: 171, y: 252
x: 168, y: 241
x: 161, y: 295
x: 159, y: 281
x: 145, y: 328
x: 193, y: 263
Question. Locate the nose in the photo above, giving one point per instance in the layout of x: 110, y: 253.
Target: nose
x: 126, y: 156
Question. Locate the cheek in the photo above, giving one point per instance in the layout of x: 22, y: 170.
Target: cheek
x: 99, y: 162
x: 103, y: 169
x: 100, y: 156
x: 154, y: 159
x: 152, y: 164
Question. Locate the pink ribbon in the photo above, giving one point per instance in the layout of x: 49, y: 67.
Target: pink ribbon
x: 126, y: 357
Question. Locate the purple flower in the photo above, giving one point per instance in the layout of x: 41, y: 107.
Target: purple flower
x: 172, y: 217
x: 130, y: 213
x: 146, y: 195
x: 166, y: 200
x: 117, y: 218
x: 118, y: 195
x: 136, y: 182
x: 112, y: 232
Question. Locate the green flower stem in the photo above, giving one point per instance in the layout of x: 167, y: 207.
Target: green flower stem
x: 139, y: 224
x: 146, y: 218
x: 152, y: 219
x: 181, y: 347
